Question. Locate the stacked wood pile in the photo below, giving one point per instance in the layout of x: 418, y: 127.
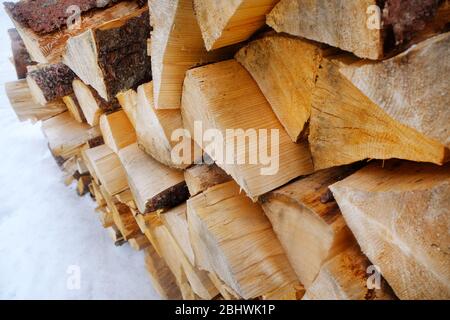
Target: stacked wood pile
x: 357, y: 91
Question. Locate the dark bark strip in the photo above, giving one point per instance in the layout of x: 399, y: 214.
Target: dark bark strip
x: 122, y: 54
x: 55, y: 80
x: 45, y: 16
x: 21, y: 56
x: 169, y: 198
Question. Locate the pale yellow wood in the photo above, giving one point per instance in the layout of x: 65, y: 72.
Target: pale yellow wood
x: 162, y: 278
x: 66, y: 136
x: 412, y: 87
x: 117, y: 130
x: 308, y: 223
x: 82, y: 54
x: 232, y: 238
x: 346, y: 277
x: 176, y: 46
x: 88, y: 102
x: 203, y: 176
x: 399, y: 214
x: 154, y: 128
x: 153, y: 185
x: 106, y: 168
x: 187, y: 276
x: 224, y: 23
x: 50, y: 47
x: 340, y: 23
x: 346, y: 126
x: 224, y: 96
x: 24, y: 106
x: 128, y: 102
x: 74, y: 108
x: 285, y: 69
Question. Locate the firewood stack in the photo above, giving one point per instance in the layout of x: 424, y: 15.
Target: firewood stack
x: 358, y: 206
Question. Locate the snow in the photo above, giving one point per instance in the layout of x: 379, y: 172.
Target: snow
x: 50, y: 237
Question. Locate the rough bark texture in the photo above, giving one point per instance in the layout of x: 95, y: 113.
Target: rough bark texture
x: 122, y: 54
x: 169, y: 198
x: 405, y: 18
x: 21, y: 56
x: 45, y: 16
x: 55, y: 81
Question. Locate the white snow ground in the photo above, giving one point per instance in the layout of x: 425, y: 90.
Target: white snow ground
x: 45, y: 228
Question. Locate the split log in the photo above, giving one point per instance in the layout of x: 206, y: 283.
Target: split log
x: 412, y: 88
x: 400, y: 216
x: 346, y: 277
x: 224, y: 23
x: 346, y: 126
x: 83, y: 185
x: 139, y: 243
x: 176, y: 46
x: 213, y: 96
x: 128, y: 102
x: 154, y: 129
x: 66, y: 136
x: 113, y: 56
x: 106, y: 169
x: 49, y: 47
x: 90, y: 102
x: 368, y: 28
x: 122, y: 216
x: 117, y: 130
x: 116, y: 236
x: 74, y: 108
x: 191, y: 281
x: 285, y: 69
x: 21, y: 56
x: 175, y: 221
x: 232, y: 238
x: 154, y: 186
x: 203, y: 176
x: 161, y: 277
x: 22, y: 102
x: 105, y: 216
x: 50, y: 82
x: 308, y: 223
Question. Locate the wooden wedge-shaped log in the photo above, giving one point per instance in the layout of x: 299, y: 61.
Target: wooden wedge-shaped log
x: 307, y: 221
x: 117, y: 130
x: 285, y: 69
x: 21, y: 57
x: 412, y: 88
x: 106, y: 168
x: 232, y: 238
x: 66, y: 136
x: 154, y: 186
x: 349, y: 276
x: 161, y: 277
x: 25, y: 107
x: 155, y: 127
x: 346, y: 126
x: 369, y: 28
x: 176, y: 46
x: 128, y: 102
x: 112, y: 57
x: 74, y: 108
x: 192, y: 281
x: 49, y: 46
x: 203, y: 176
x: 223, y: 96
x: 50, y: 82
x: 399, y: 214
x: 224, y: 23
x: 92, y: 105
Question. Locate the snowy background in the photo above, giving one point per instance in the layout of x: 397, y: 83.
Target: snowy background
x: 45, y: 228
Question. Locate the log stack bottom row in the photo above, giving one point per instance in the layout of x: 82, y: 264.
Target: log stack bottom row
x: 348, y: 200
